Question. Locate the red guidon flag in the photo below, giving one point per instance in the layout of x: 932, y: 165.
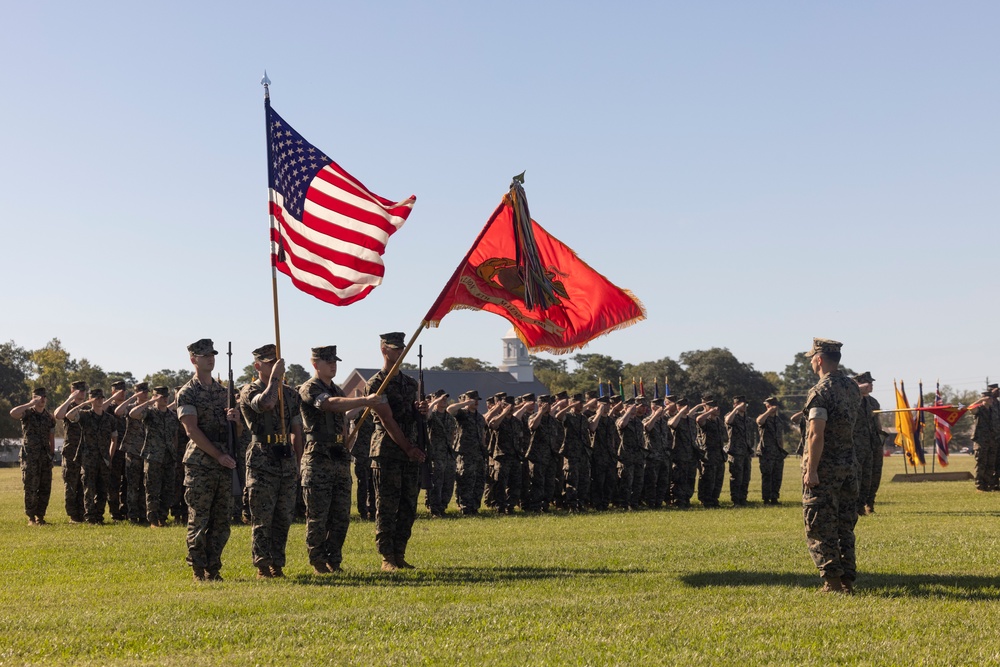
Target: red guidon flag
x: 328, y: 231
x: 580, y: 306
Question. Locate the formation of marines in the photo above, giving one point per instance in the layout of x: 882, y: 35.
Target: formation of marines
x: 986, y: 438
x: 537, y: 453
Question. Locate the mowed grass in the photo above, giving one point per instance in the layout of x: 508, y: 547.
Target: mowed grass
x: 697, y: 587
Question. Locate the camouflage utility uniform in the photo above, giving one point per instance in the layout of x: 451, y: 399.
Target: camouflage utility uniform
x: 684, y: 461
x: 326, y: 475
x: 772, y: 458
x: 830, y: 509
x: 361, y: 455
x: 739, y: 452
x: 631, y: 463
x: 397, y: 478
x: 470, y: 479
x: 36, y: 461
x: 272, y: 472
x: 440, y: 434
x: 159, y: 452
x: 95, y: 460
x: 713, y: 469
x: 541, y: 459
x: 72, y: 472
x: 208, y: 485
x: 131, y: 444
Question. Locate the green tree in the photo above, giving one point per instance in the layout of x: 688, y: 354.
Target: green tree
x: 797, y: 379
x: 656, y: 372
x: 93, y: 375
x: 463, y: 364
x: 295, y: 375
x: 718, y: 373
x: 52, y: 368
x: 168, y: 378
x: 249, y: 375
x: 15, y: 365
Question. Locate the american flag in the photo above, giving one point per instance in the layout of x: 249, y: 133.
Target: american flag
x: 942, y: 430
x: 328, y: 231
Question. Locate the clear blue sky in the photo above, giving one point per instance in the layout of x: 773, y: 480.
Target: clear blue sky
x: 757, y: 173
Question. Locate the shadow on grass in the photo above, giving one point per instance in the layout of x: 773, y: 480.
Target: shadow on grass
x: 449, y: 576
x: 945, y: 586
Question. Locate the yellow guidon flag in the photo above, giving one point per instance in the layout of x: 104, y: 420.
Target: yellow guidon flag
x: 906, y: 428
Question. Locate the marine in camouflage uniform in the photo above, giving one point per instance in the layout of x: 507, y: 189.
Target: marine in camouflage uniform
x: 684, y: 457
x: 656, y: 478
x: 504, y: 425
x: 208, y: 466
x: 575, y: 455
x: 739, y: 450
x: 118, y: 480
x: 37, y: 449
x: 493, y: 405
x: 72, y: 473
x: 100, y: 439
x: 326, y: 462
x: 878, y: 458
x: 272, y: 459
x: 771, y: 451
x: 713, y: 470
x: 471, y: 452
x: 631, y: 455
x: 361, y: 455
x: 179, y: 508
x: 158, y: 453
x: 604, y: 463
x: 545, y: 432
x: 131, y: 443
x: 864, y: 432
x: 829, y: 469
x: 441, y: 429
x: 395, y: 460
x: 984, y: 440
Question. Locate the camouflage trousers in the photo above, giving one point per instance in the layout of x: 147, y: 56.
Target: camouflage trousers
x: 863, y: 455
x: 830, y: 511
x: 435, y: 499
x: 630, y: 479
x: 985, y: 454
x: 878, y: 458
x: 771, y: 472
x: 272, y: 497
x: 117, y: 489
x: 470, y: 479
x: 135, y: 474
x: 504, y: 472
x: 208, y: 493
x: 656, y: 482
x: 72, y: 475
x: 713, y: 472
x: 397, y: 484
x: 448, y: 488
x: 572, y: 476
x: 739, y: 478
x: 584, y: 481
x: 158, y: 482
x: 541, y: 485
x: 178, y: 506
x: 366, y: 487
x: 95, y: 474
x: 36, y: 474
x: 682, y: 476
x: 489, y: 490
x: 328, y: 511
x: 603, y: 483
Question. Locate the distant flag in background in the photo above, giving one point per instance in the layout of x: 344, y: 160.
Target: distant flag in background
x: 942, y: 430
x: 642, y: 389
x: 666, y: 387
x: 635, y: 392
x: 906, y: 426
x: 656, y: 388
x: 600, y: 388
x: 921, y: 420
x: 621, y: 387
x: 328, y: 231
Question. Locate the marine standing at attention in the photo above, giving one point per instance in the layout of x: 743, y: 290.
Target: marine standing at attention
x: 829, y: 469
x: 395, y: 460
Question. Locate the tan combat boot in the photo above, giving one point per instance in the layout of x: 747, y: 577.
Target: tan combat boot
x: 401, y: 563
x: 389, y: 564
x: 832, y: 585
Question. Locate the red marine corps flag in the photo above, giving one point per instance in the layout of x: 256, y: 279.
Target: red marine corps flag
x: 516, y: 269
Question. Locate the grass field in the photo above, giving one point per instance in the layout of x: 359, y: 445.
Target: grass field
x: 697, y: 587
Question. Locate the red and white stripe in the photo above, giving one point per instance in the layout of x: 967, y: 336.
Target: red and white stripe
x: 335, y: 251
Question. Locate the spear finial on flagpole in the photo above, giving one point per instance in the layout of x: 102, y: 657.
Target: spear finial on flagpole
x: 266, y: 82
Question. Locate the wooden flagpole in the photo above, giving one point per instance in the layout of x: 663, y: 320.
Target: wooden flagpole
x: 266, y: 82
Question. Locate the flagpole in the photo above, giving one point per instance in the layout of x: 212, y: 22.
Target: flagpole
x: 266, y: 82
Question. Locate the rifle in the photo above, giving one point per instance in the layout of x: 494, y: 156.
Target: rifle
x: 237, y: 488
x: 423, y: 441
